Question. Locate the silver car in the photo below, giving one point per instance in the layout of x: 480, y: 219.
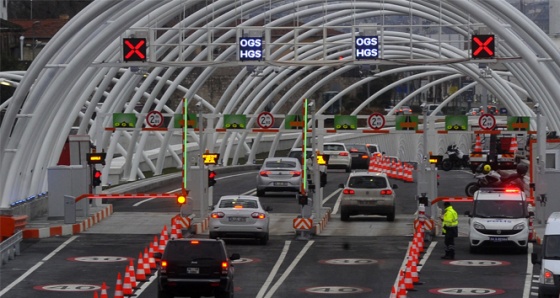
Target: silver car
x: 279, y: 174
x: 239, y: 217
x: 339, y: 156
x: 367, y: 193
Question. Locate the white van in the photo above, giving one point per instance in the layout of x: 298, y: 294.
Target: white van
x: 500, y: 217
x: 549, y: 258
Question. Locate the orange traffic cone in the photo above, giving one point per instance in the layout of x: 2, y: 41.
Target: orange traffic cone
x: 402, y: 288
x: 513, y: 145
x: 478, y: 145
x: 95, y: 295
x: 119, y: 287
x: 414, y: 272
x: 132, y: 275
x: 409, y: 285
x: 127, y: 285
x: 393, y: 292
x: 151, y: 259
x: 174, y: 234
x: 104, y: 291
x: 146, y: 260
x: 164, y: 233
x: 140, y: 275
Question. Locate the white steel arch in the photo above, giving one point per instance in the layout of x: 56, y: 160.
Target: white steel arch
x: 79, y: 75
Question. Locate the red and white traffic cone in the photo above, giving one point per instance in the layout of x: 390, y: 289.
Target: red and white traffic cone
x: 140, y: 276
x: 104, y: 291
x: 119, y: 287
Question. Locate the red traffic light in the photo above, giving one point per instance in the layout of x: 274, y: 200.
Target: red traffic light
x: 96, y: 178
x: 483, y: 46
x: 134, y: 49
x: 211, y: 178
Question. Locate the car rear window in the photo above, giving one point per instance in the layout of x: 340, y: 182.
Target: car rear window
x: 280, y: 164
x: 334, y: 148
x: 367, y: 182
x: 239, y: 203
x: 188, y: 250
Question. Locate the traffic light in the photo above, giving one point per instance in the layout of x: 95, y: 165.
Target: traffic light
x: 302, y: 199
x: 482, y: 46
x: 96, y: 178
x: 181, y: 199
x: 134, y: 49
x: 211, y: 178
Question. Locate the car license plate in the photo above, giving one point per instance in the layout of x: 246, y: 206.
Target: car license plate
x: 236, y: 219
x: 498, y: 239
x: 280, y: 183
x: 193, y: 270
x: 367, y: 202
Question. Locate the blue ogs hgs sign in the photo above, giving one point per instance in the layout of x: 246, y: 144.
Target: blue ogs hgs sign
x: 366, y: 47
x: 250, y: 49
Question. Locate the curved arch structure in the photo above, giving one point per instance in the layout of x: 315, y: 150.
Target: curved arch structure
x: 79, y: 80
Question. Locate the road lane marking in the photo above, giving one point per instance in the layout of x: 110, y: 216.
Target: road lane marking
x: 331, y: 195
x: 529, y: 273
x: 289, y: 270
x: 268, y: 281
x: 39, y: 264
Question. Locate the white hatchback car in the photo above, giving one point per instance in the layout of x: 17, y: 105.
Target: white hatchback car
x: 339, y: 156
x: 238, y: 216
x: 367, y: 193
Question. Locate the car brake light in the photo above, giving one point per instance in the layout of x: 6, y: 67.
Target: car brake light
x: 194, y: 242
x: 163, y: 264
x: 225, y: 266
x: 353, y: 150
x: 365, y: 156
x: 348, y: 191
x: 238, y: 207
x: 343, y: 154
x: 258, y: 215
x: 512, y: 190
x: 295, y: 173
x: 217, y: 215
x: 264, y: 173
x: 386, y: 192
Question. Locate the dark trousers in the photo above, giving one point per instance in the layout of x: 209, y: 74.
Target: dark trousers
x: 450, y: 234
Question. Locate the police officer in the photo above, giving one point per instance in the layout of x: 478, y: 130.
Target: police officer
x: 450, y: 230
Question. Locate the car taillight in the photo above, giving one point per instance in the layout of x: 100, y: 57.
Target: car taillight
x: 386, y: 192
x: 512, y: 190
x: 264, y: 173
x: 348, y: 191
x: 295, y: 173
x: 343, y: 154
x: 225, y: 267
x: 377, y: 154
x: 365, y: 156
x: 163, y: 267
x: 217, y: 215
x: 258, y: 215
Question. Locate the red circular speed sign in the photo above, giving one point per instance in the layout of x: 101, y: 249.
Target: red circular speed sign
x: 154, y: 119
x: 376, y: 121
x: 487, y: 121
x: 265, y: 120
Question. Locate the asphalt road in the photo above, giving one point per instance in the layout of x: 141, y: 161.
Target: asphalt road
x: 359, y: 258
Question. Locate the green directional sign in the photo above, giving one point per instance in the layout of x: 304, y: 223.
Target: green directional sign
x: 406, y: 122
x: 345, y: 122
x: 518, y: 123
x: 232, y: 121
x: 293, y: 122
x: 192, y: 120
x: 456, y: 122
x: 124, y: 120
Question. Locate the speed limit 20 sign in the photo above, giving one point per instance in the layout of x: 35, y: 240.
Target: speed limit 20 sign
x: 487, y: 122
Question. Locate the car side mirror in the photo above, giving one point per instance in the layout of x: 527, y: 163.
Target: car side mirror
x: 235, y: 256
x: 535, y: 258
x: 157, y: 255
x: 341, y: 185
x: 395, y: 186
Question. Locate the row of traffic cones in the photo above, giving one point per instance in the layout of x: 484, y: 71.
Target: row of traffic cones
x: 145, y: 267
x: 396, y: 170
x: 513, y: 147
x: 410, y: 276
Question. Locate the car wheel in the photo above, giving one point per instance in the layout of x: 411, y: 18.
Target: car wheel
x: 344, y: 215
x: 225, y: 293
x: 391, y: 217
x: 446, y: 165
x: 263, y: 240
x: 164, y: 294
x: 260, y: 193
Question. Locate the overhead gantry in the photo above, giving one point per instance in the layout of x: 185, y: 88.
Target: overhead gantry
x: 79, y: 78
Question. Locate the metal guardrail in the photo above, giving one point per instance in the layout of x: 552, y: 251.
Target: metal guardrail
x: 9, y: 248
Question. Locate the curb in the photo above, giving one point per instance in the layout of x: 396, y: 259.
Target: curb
x: 200, y: 227
x: 319, y: 227
x: 68, y: 229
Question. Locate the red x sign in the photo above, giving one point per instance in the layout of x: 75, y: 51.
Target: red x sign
x: 134, y: 49
x: 482, y: 46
